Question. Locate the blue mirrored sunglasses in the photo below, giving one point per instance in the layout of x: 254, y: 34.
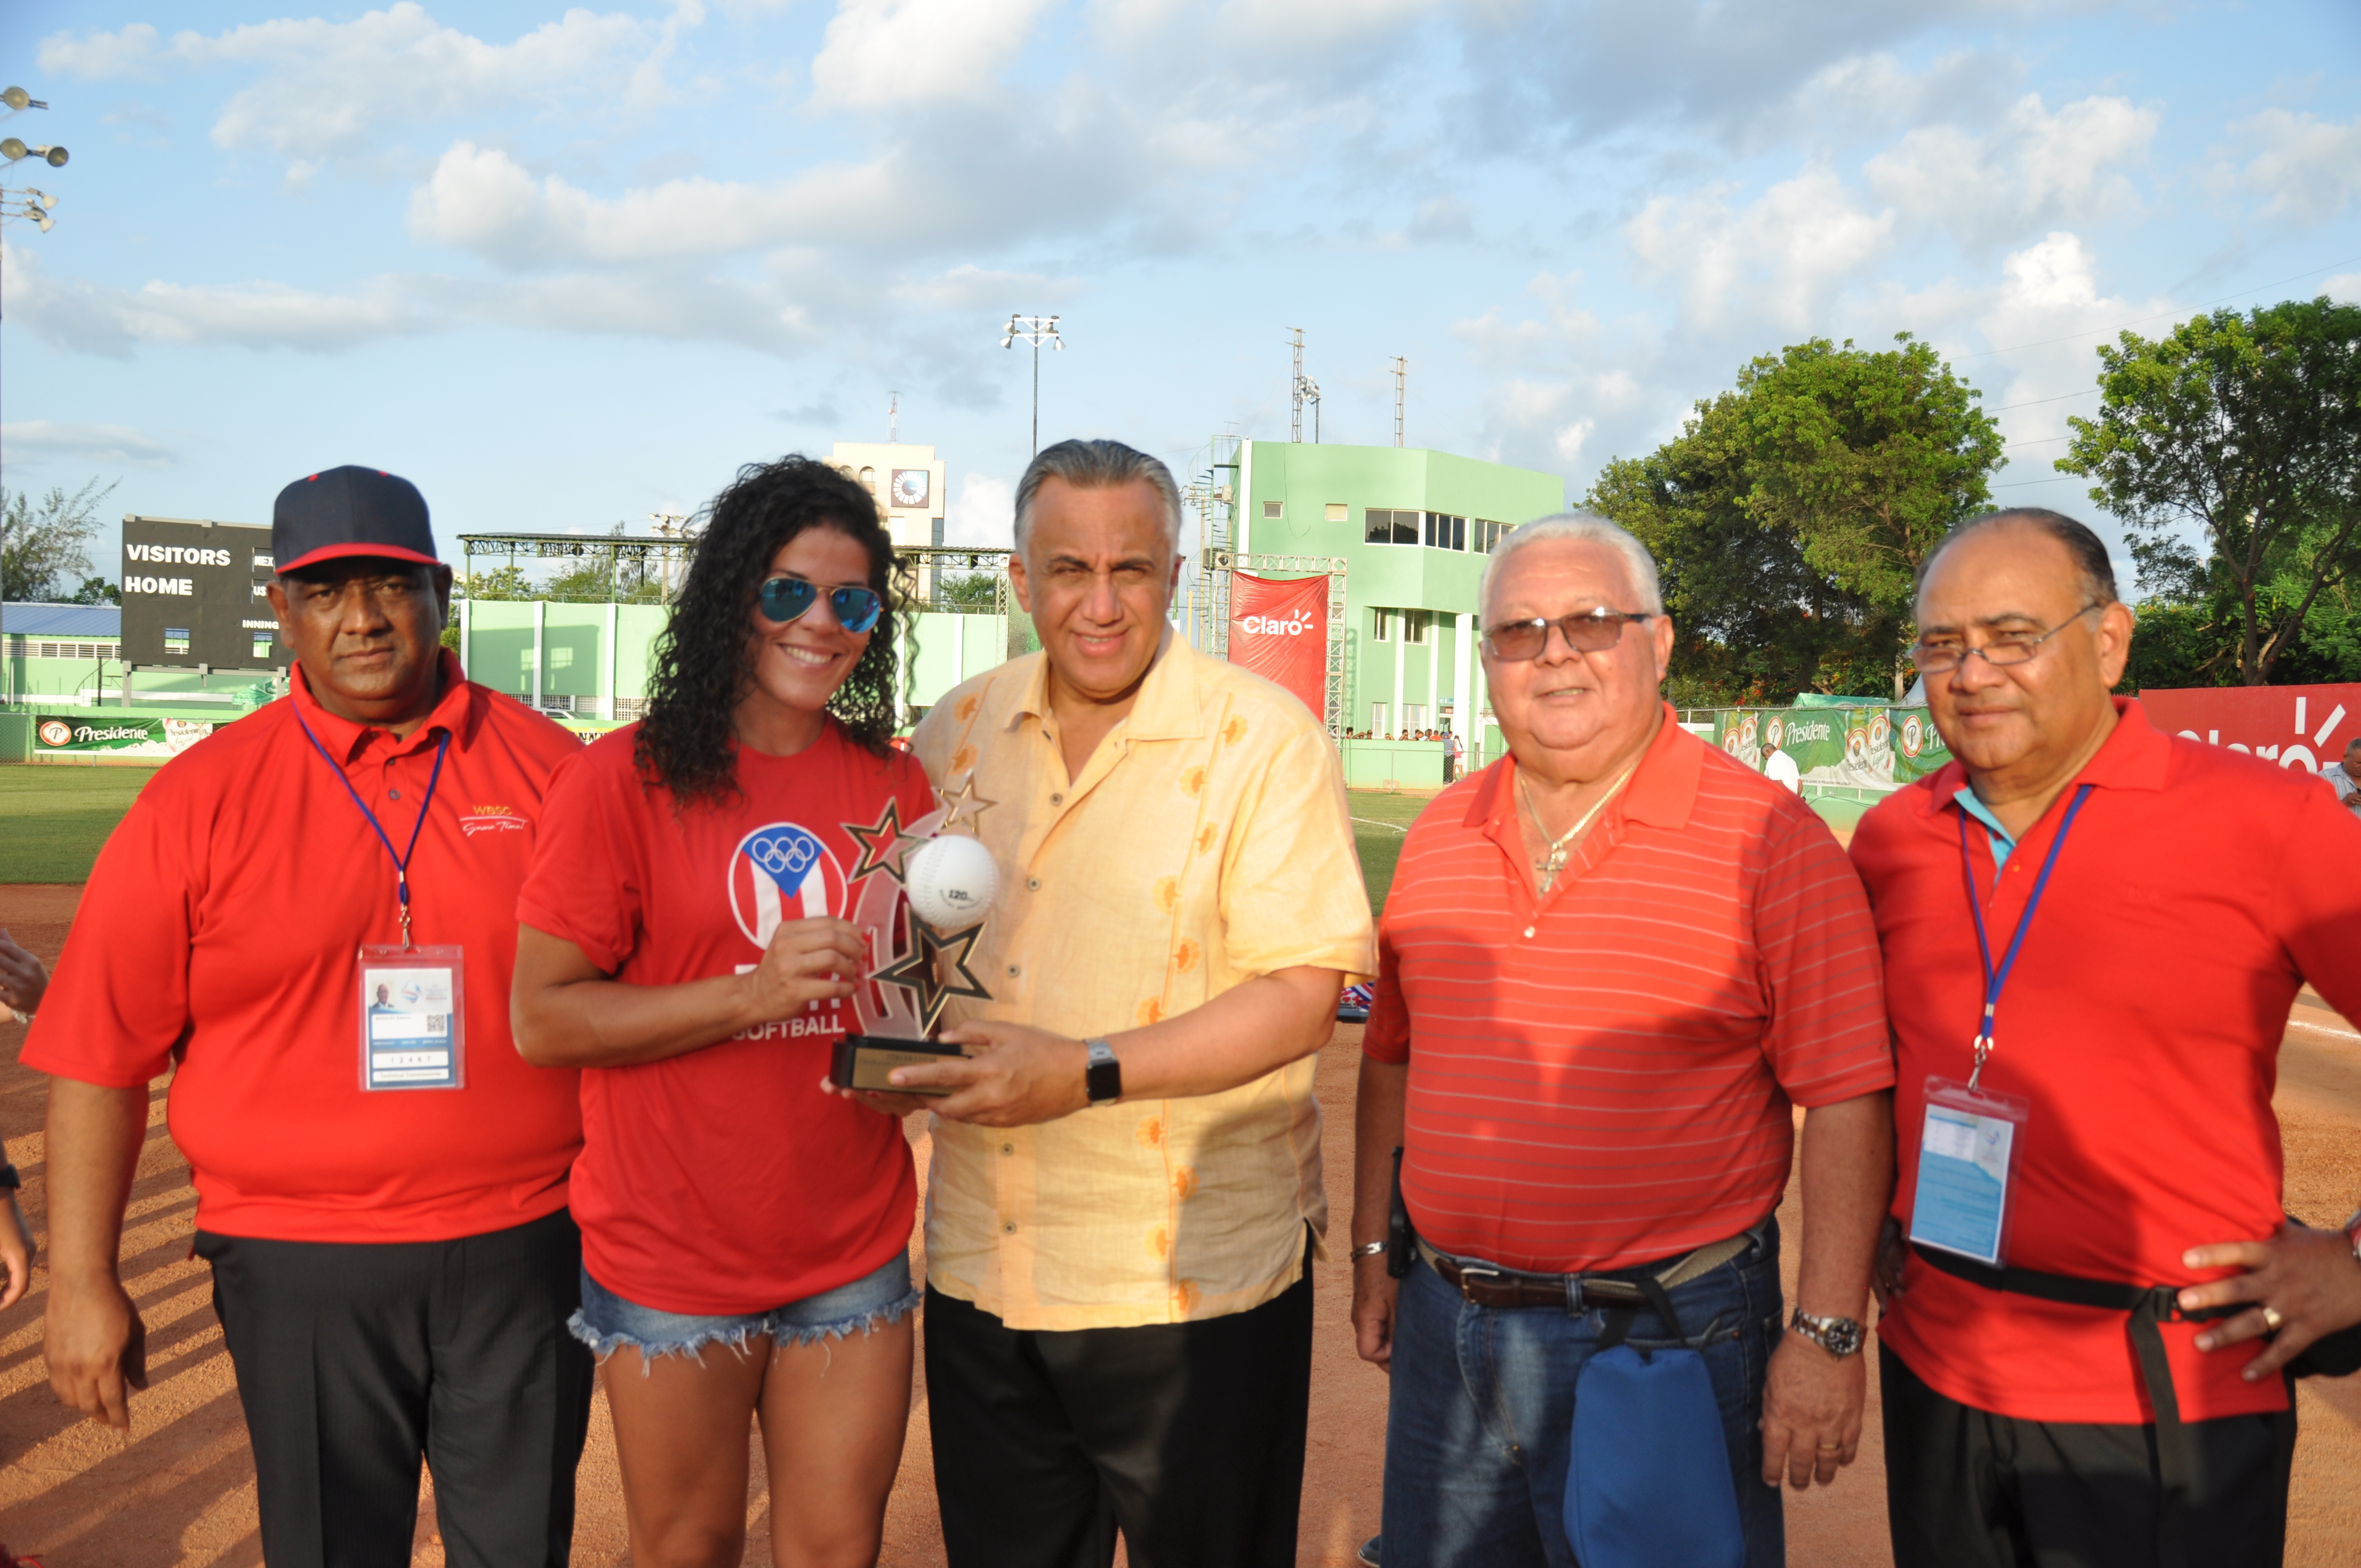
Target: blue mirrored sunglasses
x: 786, y: 598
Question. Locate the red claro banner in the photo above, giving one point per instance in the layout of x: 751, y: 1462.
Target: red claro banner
x: 2296, y: 727
x: 1279, y: 630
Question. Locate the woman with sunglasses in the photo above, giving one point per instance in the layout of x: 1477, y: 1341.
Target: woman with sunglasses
x: 683, y: 942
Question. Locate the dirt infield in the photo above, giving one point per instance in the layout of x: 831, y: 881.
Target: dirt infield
x: 182, y: 1490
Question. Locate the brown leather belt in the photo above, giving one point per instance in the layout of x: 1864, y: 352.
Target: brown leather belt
x: 1482, y: 1285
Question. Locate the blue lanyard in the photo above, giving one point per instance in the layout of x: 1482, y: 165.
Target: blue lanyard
x: 1995, y: 979
x: 402, y: 860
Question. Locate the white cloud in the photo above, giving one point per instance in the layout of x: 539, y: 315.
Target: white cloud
x: 99, y: 318
x: 884, y: 54
x: 2307, y: 168
x: 326, y: 86
x: 2034, y: 169
x: 983, y: 513
x: 2344, y: 287
x: 37, y: 440
x: 1780, y: 256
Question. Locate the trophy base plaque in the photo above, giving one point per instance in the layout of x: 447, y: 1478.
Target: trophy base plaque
x: 862, y: 1061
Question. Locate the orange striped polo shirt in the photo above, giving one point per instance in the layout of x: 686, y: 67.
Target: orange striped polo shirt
x: 1604, y: 1077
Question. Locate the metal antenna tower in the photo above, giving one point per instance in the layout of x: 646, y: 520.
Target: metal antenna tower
x: 893, y: 423
x: 1401, y: 375
x: 1305, y: 390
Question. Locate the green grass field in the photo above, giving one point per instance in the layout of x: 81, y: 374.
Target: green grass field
x: 1379, y: 820
x: 53, y: 819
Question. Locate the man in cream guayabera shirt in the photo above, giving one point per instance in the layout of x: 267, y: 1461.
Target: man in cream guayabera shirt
x: 1125, y: 1190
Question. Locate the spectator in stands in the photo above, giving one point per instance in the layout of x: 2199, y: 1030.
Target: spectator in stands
x: 1125, y: 1190
x: 2119, y: 1018
x: 1609, y: 966
x: 392, y: 1258
x: 2344, y: 776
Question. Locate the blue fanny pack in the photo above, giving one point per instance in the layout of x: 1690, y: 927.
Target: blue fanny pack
x: 1648, y: 1482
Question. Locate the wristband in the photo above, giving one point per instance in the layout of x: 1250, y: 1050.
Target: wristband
x: 1371, y: 1249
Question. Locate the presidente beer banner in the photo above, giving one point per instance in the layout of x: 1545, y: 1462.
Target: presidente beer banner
x: 1279, y: 630
x: 60, y: 733
x: 1872, y: 745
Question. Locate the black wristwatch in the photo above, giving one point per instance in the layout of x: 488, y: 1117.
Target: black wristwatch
x: 1103, y: 1080
x: 9, y: 1179
x: 1840, y: 1337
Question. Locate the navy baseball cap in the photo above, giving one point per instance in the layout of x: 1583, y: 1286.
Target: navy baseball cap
x: 351, y: 512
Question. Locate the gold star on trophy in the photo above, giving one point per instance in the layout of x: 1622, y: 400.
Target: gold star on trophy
x: 885, y: 847
x: 963, y: 799
x: 921, y: 969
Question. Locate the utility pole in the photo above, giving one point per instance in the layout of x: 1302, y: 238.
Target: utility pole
x: 1401, y: 375
x: 1036, y: 331
x: 1305, y: 390
x: 893, y: 422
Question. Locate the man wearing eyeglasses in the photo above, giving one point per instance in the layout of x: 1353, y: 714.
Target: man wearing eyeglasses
x: 2095, y: 931
x: 1610, y: 965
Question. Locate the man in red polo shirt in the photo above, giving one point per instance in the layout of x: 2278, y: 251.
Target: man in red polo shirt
x: 2093, y: 931
x: 308, y: 920
x: 1609, y: 966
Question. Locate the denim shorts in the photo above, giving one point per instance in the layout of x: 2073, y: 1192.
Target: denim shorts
x: 606, y: 1322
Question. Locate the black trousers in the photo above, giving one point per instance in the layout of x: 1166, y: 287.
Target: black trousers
x: 355, y: 1360
x: 1965, y: 1488
x: 1189, y: 1437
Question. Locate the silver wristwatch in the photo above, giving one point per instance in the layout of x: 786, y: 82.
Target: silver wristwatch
x: 1840, y: 1337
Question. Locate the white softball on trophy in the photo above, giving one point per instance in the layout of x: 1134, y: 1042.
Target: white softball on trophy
x: 952, y: 881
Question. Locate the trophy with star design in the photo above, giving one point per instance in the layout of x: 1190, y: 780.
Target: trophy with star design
x: 920, y: 897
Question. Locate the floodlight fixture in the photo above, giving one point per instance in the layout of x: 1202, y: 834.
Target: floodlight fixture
x: 1036, y: 331
x: 18, y: 98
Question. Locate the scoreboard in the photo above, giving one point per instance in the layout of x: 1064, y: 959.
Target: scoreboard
x: 192, y: 595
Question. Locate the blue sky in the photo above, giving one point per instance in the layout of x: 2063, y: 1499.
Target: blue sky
x: 570, y: 267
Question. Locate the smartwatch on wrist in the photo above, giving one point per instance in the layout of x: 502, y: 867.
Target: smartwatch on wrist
x: 1103, y: 1080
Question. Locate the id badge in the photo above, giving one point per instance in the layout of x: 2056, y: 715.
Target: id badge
x: 413, y: 1008
x: 1967, y: 1160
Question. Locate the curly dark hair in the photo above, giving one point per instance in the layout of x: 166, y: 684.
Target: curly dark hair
x: 701, y: 667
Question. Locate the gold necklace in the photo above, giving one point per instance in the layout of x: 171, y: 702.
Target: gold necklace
x: 1550, y: 864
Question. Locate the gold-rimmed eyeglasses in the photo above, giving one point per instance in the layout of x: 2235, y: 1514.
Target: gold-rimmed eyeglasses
x: 1591, y: 631
x: 1943, y: 655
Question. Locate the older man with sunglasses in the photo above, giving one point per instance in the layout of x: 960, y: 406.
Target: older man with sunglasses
x: 2096, y: 930
x: 1610, y: 965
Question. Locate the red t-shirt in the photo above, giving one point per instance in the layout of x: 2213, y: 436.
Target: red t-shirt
x: 722, y: 1181
x: 2198, y: 890
x: 223, y: 925
x: 1606, y: 1076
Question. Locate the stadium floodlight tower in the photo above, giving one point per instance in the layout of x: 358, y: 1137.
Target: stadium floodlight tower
x: 1036, y: 331
x: 1306, y: 390
x: 32, y: 205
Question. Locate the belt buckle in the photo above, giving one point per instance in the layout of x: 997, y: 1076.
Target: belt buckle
x: 1468, y: 1274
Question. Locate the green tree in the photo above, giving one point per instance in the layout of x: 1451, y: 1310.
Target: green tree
x: 506, y: 581
x: 1790, y: 515
x: 2248, y: 429
x: 48, y: 540
x: 976, y: 593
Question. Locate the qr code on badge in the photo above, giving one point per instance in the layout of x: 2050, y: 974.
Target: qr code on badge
x: 438, y: 1023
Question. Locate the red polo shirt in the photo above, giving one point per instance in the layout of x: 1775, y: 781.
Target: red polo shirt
x: 2198, y: 890
x: 222, y: 928
x: 1604, y: 1076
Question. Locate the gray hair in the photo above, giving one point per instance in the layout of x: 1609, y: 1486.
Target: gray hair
x: 1581, y: 528
x: 1097, y: 465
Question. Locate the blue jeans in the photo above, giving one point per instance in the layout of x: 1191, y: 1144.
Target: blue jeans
x: 1482, y: 1413
x: 607, y: 1322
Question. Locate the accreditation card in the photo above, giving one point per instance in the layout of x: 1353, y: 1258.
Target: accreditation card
x: 1967, y: 1161
x: 413, y: 1009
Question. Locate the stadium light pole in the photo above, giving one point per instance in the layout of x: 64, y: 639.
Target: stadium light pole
x: 1036, y: 331
x: 33, y: 205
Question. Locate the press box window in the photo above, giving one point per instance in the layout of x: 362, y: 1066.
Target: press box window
x: 1487, y: 534
x: 176, y: 639
x: 1382, y: 527
x: 1385, y: 625
x: 1414, y: 624
x: 1446, y: 532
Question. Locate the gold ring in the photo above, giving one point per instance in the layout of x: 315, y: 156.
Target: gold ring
x: 2271, y: 1319
x: 1832, y: 1448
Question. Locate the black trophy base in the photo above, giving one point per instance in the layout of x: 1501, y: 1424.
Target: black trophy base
x: 863, y: 1060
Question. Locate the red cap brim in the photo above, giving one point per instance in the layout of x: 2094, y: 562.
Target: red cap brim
x: 342, y: 552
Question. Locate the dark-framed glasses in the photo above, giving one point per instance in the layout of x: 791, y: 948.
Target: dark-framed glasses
x: 1944, y: 655
x: 786, y: 598
x: 1591, y: 631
